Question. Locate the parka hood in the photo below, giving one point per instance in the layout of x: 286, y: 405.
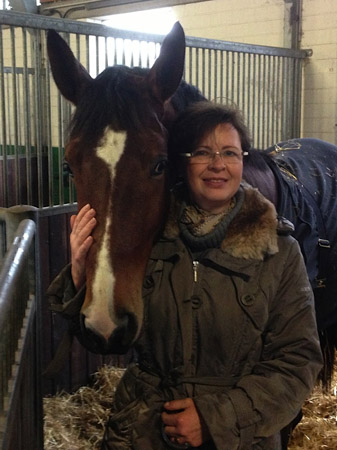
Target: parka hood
x: 252, y: 234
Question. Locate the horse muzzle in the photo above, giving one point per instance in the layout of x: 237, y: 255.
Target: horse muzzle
x: 118, y: 340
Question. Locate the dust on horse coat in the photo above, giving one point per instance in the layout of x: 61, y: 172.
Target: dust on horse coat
x: 305, y: 176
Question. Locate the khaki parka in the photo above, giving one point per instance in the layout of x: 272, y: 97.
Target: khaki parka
x: 232, y: 327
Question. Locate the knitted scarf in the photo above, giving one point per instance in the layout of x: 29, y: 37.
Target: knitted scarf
x: 201, y: 230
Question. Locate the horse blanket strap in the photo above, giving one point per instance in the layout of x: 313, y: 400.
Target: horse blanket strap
x: 60, y: 357
x: 323, y: 243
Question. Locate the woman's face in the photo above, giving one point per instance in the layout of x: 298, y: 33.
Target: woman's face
x: 212, y: 185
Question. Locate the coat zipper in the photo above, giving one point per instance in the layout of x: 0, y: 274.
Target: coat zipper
x: 195, y: 270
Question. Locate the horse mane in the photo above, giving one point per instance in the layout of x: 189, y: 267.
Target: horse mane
x: 185, y: 95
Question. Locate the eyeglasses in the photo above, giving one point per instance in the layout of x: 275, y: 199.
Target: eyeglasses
x: 206, y: 156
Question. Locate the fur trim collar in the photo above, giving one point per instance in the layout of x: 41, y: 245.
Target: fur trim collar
x: 252, y: 234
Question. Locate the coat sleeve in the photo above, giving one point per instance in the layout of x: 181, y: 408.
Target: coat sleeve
x: 270, y: 397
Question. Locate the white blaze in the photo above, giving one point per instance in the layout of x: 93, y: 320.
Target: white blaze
x: 99, y: 313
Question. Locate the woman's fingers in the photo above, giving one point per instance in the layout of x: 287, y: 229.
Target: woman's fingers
x: 81, y: 240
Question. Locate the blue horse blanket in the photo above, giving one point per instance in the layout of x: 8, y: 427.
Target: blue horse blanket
x: 306, y: 174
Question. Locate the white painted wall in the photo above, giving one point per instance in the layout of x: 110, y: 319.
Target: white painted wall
x: 320, y: 80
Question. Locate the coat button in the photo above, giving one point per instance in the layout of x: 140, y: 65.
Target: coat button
x: 248, y: 299
x: 196, y: 302
x: 148, y: 282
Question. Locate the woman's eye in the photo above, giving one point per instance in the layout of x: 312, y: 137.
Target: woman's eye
x: 66, y: 169
x: 201, y: 153
x: 229, y: 153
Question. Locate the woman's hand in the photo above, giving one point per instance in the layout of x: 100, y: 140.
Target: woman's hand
x: 80, y: 241
x: 183, y: 423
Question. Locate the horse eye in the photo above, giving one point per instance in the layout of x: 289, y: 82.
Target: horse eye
x: 66, y: 169
x: 159, y: 168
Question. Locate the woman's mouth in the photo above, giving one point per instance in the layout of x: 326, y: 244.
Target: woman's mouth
x: 215, y: 182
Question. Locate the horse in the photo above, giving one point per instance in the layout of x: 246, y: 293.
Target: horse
x: 300, y: 177
x: 117, y: 154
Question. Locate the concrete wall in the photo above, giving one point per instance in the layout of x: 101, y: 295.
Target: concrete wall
x: 266, y: 22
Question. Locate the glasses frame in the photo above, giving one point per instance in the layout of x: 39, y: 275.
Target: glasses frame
x: 211, y: 157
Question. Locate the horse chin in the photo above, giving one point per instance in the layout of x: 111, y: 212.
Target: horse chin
x: 115, y: 338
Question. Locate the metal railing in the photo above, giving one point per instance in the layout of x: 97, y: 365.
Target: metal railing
x: 20, y: 382
x: 264, y: 82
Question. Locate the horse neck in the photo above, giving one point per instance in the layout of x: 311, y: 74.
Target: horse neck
x: 258, y: 174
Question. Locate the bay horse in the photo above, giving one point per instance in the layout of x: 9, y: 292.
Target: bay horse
x: 117, y: 154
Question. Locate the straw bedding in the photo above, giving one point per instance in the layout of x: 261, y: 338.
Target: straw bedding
x: 76, y: 421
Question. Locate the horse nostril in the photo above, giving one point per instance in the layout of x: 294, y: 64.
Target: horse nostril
x: 127, y: 331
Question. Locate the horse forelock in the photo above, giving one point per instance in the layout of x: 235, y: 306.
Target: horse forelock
x: 114, y: 98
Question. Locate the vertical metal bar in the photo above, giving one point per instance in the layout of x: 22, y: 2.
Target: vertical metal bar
x: 283, y: 113
x: 221, y: 75
x: 277, y: 97
x: 97, y: 54
x: 115, y: 52
x: 259, y: 100
x: 106, y: 62
x: 249, y: 81
x: 208, y: 73
x: 216, y: 74
x: 87, y: 55
x: 203, y: 73
x: 254, y: 121
x: 26, y: 121
x: 264, y: 102
x: 227, y: 76
x: 233, y: 76
x: 38, y: 112
x: 197, y: 68
x: 268, y: 88
x: 273, y: 101
x: 289, y: 94
x: 49, y: 138
x: 3, y: 123
x: 14, y: 97
x: 190, y: 59
x: 298, y: 96
x: 243, y: 85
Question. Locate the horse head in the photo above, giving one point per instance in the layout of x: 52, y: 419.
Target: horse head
x: 117, y: 154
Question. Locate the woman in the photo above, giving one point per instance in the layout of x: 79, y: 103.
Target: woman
x: 229, y: 349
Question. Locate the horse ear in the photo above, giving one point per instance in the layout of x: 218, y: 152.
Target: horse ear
x: 69, y: 74
x: 167, y: 71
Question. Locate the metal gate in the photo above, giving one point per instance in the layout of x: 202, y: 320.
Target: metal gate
x: 264, y: 82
